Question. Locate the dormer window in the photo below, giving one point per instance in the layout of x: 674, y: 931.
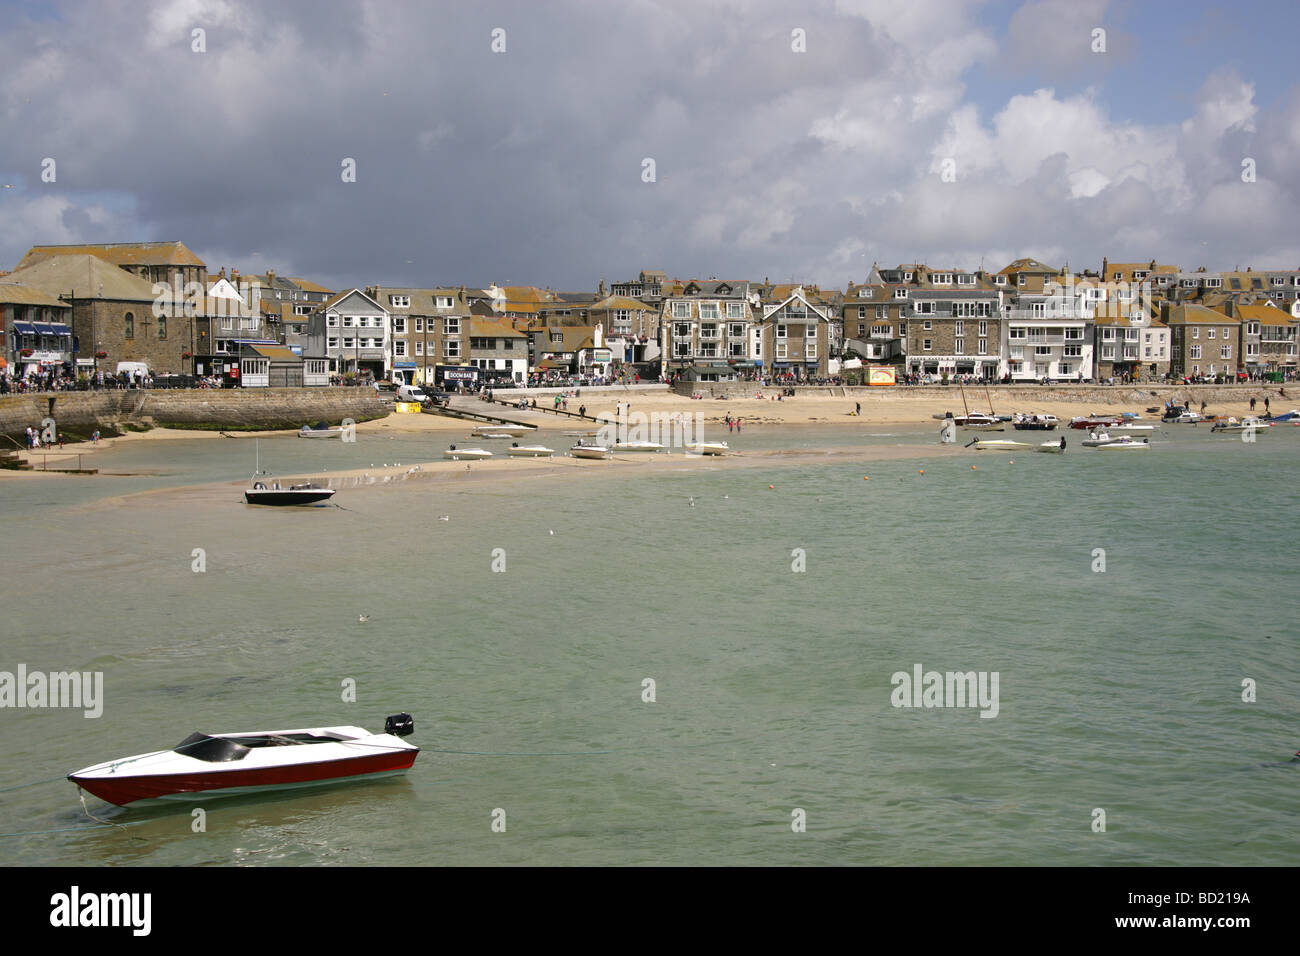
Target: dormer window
x: 900, y: 293
x: 907, y: 277
x: 399, y: 301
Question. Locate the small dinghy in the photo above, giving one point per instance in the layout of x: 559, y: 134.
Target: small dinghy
x: 707, y: 447
x: 320, y: 430
x: 998, y: 444
x: 1052, y: 447
x: 529, y: 451
x: 1234, y: 427
x: 469, y: 454
x: 203, y: 766
x: 590, y: 451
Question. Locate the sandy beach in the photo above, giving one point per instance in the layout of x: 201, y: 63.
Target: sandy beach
x: 888, y: 407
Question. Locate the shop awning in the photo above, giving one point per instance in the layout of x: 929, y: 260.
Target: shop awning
x: 24, y: 328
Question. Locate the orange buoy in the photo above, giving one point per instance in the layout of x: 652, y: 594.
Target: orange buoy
x: 972, y: 467
x: 771, y: 487
x: 920, y: 471
x: 866, y: 477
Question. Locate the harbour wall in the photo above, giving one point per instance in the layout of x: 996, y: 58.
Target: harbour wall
x: 79, y: 413
x: 1007, y: 397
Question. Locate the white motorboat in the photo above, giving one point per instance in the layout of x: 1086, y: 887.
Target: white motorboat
x: 501, y: 431
x: 320, y: 431
x: 1052, y: 447
x: 469, y: 454
x: 978, y: 423
x: 998, y: 444
x: 204, y: 766
x: 493, y: 436
x: 1132, y: 429
x: 1035, y: 423
x: 639, y: 446
x: 1098, y: 439
x: 529, y: 451
x: 1232, y: 426
x: 590, y: 451
x: 707, y: 447
x: 1124, y: 443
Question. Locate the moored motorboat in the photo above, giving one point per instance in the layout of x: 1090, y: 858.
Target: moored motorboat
x: 1246, y: 425
x: 301, y: 494
x: 204, y: 766
x: 529, y: 451
x: 998, y: 444
x: 1089, y: 422
x: 707, y: 447
x: 469, y: 454
x: 1124, y: 443
x: 1035, y: 423
x: 639, y: 446
x: 497, y: 431
x: 320, y: 430
x: 1131, y: 428
x: 590, y: 451
x: 1052, y: 447
x: 981, y: 423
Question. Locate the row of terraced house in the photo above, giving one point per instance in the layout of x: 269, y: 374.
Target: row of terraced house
x: 92, y: 308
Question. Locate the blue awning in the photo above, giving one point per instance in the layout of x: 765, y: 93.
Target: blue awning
x: 60, y: 329
x: 24, y: 328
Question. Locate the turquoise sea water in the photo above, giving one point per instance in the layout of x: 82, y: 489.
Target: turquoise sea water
x: 1119, y: 690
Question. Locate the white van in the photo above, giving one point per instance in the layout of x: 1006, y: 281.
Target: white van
x: 411, y: 393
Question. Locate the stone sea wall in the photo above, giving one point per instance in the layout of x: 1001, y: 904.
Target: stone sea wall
x: 79, y: 413
x: 1007, y: 397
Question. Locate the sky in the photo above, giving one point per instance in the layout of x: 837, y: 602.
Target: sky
x: 561, y: 142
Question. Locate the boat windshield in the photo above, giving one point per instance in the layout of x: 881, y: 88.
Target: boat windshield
x: 211, y: 749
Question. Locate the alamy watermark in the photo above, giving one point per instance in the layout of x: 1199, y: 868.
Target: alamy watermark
x: 669, y: 429
x: 931, y: 689
x: 40, y: 690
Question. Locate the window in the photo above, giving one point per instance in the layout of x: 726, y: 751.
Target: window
x: 925, y: 308
x: 1196, y: 333
x: 1213, y: 283
x: 811, y: 350
x: 780, y: 331
x: 927, y: 325
x: 900, y: 293
x: 708, y: 310
x: 347, y: 321
x: 879, y: 331
x: 780, y: 350
x: 1042, y: 350
x: 332, y: 342
x: 1209, y: 334
x: 1277, y: 280
x: 332, y: 321
x: 736, y: 330
x: 1252, y: 328
x: 810, y: 331
x: 925, y: 344
x: 162, y: 326
x: 965, y: 280
x: 227, y: 324
x: 451, y: 348
x: 419, y: 348
x: 129, y: 322
x: 1017, y: 333
x: 399, y: 349
x: 902, y: 329
x: 862, y: 312
x: 1194, y: 352
x: 399, y: 325
x: 682, y: 330
x: 400, y: 301
x: 681, y: 310
x: 349, y: 343
x: 984, y: 328
x: 999, y: 280
x: 941, y: 278
x: 1073, y: 351
x: 735, y: 310
x: 862, y: 329
x: 302, y: 310
x: 451, y: 326
x: 1225, y: 351
x: 682, y: 350
x: 959, y: 328
x: 960, y: 346
x: 984, y: 347
x: 443, y: 301
x: 1108, y: 351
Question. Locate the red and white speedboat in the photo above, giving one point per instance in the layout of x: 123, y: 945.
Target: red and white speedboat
x: 1089, y: 422
x: 204, y: 766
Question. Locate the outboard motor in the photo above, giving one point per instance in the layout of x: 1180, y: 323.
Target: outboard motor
x: 399, y: 725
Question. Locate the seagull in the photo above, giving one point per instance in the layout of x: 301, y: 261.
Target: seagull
x: 444, y: 517
x: 692, y: 501
x: 363, y: 618
x: 551, y: 531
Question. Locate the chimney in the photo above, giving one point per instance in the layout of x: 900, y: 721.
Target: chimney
x: 1105, y: 263
x: 270, y: 276
x: 222, y: 273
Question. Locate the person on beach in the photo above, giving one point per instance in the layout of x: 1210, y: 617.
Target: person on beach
x: 1252, y: 404
x: 737, y: 424
x: 859, y: 408
x: 1266, y: 404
